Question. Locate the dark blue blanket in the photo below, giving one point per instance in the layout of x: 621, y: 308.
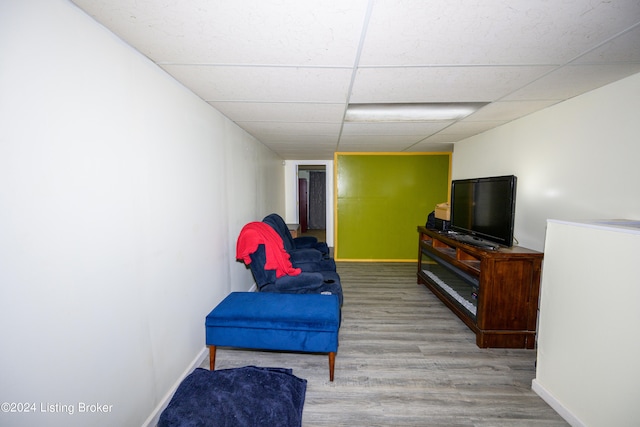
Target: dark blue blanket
x: 249, y: 396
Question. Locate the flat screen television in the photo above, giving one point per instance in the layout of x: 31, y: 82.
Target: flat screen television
x: 483, y: 209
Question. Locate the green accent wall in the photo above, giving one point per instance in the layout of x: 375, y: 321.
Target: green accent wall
x: 382, y: 198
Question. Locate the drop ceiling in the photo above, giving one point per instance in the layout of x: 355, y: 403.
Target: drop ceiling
x: 286, y: 70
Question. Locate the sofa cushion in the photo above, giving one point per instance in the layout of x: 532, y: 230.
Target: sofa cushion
x: 262, y: 310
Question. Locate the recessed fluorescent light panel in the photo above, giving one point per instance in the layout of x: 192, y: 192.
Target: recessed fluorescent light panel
x: 413, y: 112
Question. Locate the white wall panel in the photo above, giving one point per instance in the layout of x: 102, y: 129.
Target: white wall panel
x: 117, y: 186
x: 587, y: 366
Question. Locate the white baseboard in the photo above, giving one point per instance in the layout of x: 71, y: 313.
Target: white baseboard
x: 152, y: 421
x: 556, y: 405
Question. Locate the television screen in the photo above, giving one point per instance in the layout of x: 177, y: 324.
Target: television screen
x: 484, y: 208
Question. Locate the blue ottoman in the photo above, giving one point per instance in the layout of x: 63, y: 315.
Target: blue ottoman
x: 272, y: 321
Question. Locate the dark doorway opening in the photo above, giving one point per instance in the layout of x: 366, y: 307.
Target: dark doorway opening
x: 312, y: 204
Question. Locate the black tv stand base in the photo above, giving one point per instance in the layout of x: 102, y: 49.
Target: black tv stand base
x: 472, y: 240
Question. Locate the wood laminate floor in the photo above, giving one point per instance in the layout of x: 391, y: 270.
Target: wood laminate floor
x: 404, y: 359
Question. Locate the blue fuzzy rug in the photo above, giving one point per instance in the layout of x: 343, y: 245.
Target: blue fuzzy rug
x: 243, y: 397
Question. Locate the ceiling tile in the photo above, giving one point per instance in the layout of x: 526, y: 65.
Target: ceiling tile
x: 573, y: 80
x: 301, y: 148
x: 616, y: 50
x: 433, y: 147
x: 440, y: 84
x: 507, y: 110
x: 283, y: 32
x: 395, y: 141
x: 296, y: 150
x: 282, y: 128
x: 470, y: 128
x: 441, y: 138
x: 281, y: 112
x: 490, y: 32
x: 394, y: 129
x: 279, y: 140
x: 264, y: 84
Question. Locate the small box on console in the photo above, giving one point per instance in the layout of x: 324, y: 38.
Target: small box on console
x: 443, y: 211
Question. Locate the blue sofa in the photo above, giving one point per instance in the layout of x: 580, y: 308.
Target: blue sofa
x: 292, y: 244
x: 314, y: 282
x: 260, y: 247
x: 307, y: 258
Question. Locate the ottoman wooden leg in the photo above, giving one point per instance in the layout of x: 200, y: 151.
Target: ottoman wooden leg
x: 212, y: 357
x: 332, y: 364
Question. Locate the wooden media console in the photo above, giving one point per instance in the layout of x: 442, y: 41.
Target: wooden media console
x: 493, y: 291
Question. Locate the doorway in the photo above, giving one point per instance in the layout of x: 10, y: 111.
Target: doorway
x: 312, y: 207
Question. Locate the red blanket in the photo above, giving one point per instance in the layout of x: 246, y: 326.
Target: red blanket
x: 257, y: 233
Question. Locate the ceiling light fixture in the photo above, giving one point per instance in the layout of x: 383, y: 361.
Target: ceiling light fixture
x: 414, y: 112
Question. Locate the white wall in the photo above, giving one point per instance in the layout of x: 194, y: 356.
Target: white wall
x: 254, y: 178
x: 588, y: 349
x: 121, y: 196
x: 291, y: 192
x: 575, y: 160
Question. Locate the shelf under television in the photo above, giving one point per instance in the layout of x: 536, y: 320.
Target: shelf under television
x: 505, y: 282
